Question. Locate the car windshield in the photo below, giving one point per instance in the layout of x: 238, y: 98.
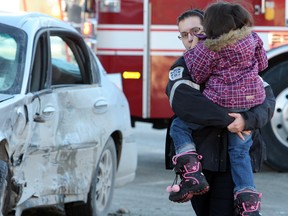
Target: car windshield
x: 12, y: 56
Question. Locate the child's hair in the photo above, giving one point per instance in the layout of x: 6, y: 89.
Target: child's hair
x: 222, y: 17
x: 191, y: 13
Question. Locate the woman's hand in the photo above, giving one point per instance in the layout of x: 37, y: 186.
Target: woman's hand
x: 238, y: 125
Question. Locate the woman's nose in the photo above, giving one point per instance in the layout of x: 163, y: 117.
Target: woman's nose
x: 190, y: 37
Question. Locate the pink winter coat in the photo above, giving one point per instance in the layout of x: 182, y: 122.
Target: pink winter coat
x: 229, y: 66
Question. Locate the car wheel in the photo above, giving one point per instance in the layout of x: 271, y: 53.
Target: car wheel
x: 275, y: 133
x: 102, y: 186
x: 4, y: 187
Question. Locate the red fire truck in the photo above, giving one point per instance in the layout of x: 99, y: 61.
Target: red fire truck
x: 138, y: 39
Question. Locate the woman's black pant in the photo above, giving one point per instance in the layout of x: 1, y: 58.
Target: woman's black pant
x: 219, y: 201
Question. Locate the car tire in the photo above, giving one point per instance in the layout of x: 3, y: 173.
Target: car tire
x: 275, y: 133
x: 102, y: 186
x: 5, y: 188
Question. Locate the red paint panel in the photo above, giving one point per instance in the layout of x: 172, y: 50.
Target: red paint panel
x: 279, y: 14
x: 133, y: 92
x: 131, y: 13
x: 132, y: 88
x: 165, y: 12
x: 160, y: 107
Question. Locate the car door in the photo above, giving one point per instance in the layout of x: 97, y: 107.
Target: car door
x: 43, y: 117
x: 69, y: 104
x: 82, y: 107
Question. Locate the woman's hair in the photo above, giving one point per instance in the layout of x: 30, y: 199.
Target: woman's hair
x: 222, y: 17
x: 191, y: 13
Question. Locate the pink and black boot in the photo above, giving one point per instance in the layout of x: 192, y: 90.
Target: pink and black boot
x: 247, y: 202
x: 193, y: 181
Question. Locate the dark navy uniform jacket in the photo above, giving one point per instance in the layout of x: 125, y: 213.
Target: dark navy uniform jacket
x: 190, y: 105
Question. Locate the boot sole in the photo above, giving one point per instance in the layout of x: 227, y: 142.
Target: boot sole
x: 189, y: 194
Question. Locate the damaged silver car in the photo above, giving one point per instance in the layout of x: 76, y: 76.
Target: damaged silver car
x: 65, y: 130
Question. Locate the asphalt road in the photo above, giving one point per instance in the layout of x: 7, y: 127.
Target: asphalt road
x: 146, y: 196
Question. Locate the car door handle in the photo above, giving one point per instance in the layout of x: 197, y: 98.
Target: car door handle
x: 101, y: 105
x: 47, y: 111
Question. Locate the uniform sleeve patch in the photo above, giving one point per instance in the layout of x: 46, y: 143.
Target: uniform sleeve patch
x: 176, y: 73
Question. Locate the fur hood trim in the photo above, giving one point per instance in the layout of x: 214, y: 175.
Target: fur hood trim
x: 227, y: 39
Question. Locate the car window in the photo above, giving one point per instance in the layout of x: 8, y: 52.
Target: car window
x: 12, y: 56
x: 95, y: 67
x: 40, y: 68
x: 65, y: 68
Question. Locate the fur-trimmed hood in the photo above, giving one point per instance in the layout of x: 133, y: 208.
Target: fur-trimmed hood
x: 227, y: 39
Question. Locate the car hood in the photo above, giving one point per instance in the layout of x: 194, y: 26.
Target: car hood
x: 4, y: 97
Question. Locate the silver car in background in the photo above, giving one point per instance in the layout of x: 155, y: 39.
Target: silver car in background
x: 65, y: 130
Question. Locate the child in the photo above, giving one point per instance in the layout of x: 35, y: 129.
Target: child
x: 228, y: 62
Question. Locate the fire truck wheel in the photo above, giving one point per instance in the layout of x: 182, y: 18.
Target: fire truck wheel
x: 102, y: 186
x: 275, y: 133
